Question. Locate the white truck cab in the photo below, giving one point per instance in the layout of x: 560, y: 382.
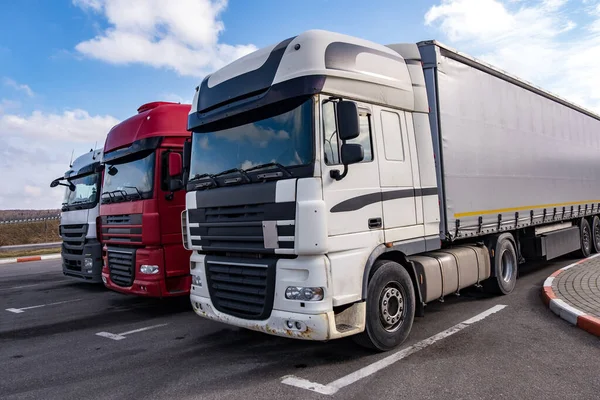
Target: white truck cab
x: 336, y: 186
x: 81, y: 250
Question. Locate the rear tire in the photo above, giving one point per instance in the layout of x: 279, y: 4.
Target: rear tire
x: 504, y: 267
x: 390, y: 308
x: 595, y: 226
x: 586, y: 239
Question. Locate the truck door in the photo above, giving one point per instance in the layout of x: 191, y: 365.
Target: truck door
x: 353, y: 203
x: 398, y: 176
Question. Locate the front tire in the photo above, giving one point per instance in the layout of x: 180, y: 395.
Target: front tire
x: 390, y: 308
x: 505, y: 267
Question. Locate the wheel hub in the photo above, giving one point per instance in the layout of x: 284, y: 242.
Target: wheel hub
x: 391, y: 308
x: 508, y: 266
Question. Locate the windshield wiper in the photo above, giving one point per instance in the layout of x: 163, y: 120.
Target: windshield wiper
x: 238, y: 170
x: 113, y: 197
x: 271, y: 164
x: 110, y: 196
x: 136, y: 189
x: 197, y: 177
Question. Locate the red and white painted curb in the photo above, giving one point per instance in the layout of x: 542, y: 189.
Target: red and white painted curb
x: 567, y: 312
x: 29, y: 258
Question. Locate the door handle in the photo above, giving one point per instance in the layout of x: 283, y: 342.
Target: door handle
x: 375, y: 223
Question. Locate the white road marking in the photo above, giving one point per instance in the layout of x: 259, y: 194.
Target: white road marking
x: 121, y: 336
x: 21, y: 310
x: 34, y: 284
x: 110, y: 335
x: 338, y: 384
x: 20, y: 287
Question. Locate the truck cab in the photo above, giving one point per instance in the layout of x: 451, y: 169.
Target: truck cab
x: 142, y: 201
x: 81, y: 250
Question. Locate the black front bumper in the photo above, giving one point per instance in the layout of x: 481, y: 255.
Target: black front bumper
x: 74, y: 264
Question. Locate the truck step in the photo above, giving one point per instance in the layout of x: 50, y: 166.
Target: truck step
x: 341, y: 328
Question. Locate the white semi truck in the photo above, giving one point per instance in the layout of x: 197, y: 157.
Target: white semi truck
x: 337, y: 186
x: 79, y: 222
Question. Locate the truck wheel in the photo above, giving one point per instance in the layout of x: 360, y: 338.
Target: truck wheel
x: 390, y: 307
x: 586, y: 239
x: 505, y: 267
x: 596, y: 234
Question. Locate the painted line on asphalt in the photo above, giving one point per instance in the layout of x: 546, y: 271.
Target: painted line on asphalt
x: 335, y: 386
x: 23, y: 309
x: 34, y: 284
x: 20, y: 287
x: 121, y: 336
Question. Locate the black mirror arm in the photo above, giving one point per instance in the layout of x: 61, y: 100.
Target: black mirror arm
x: 335, y: 173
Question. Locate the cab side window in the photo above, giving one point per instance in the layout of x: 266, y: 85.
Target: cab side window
x: 165, y: 178
x: 331, y: 142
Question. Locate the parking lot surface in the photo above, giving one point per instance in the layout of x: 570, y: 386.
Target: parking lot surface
x: 61, y: 339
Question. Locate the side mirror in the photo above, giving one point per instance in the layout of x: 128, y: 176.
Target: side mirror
x: 72, y: 187
x: 112, y: 170
x: 352, y: 153
x: 348, y: 121
x: 174, y: 164
x: 175, y: 185
x: 54, y: 183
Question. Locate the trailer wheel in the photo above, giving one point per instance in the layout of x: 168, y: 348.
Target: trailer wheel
x: 596, y: 234
x: 505, y: 267
x: 586, y: 239
x: 390, y: 307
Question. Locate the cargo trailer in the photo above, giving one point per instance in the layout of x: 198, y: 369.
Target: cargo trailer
x: 336, y: 186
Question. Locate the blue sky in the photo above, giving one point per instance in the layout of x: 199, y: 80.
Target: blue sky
x: 71, y: 69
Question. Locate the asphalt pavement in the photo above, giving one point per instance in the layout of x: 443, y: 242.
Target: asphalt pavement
x: 62, y: 339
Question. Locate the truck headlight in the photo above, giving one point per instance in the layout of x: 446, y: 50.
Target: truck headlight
x: 149, y: 269
x: 196, y: 280
x: 304, y: 293
x: 88, y: 263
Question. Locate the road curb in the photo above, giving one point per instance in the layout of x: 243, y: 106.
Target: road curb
x: 29, y: 258
x: 565, y: 311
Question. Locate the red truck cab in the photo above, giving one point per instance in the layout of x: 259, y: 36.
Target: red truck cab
x: 142, y: 201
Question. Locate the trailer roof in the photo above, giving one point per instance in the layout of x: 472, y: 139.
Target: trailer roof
x: 482, y: 65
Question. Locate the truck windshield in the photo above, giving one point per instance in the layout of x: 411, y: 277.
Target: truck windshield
x: 128, y: 179
x: 85, y: 193
x: 282, y: 140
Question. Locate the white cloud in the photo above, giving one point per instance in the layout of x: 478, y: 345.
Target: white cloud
x: 72, y: 125
x: 18, y: 86
x: 36, y: 148
x: 552, y: 43
x: 6, y: 105
x: 175, y: 98
x: 182, y: 35
x: 33, y: 190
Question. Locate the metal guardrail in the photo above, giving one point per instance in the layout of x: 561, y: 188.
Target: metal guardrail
x: 37, y: 219
x: 34, y: 246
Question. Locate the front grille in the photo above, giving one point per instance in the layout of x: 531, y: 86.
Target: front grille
x: 73, y: 237
x: 241, y: 228
x: 116, y: 219
x: 241, y: 287
x: 72, y: 265
x: 121, y: 266
x: 122, y: 228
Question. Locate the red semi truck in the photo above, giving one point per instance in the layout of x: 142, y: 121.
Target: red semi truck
x: 142, y: 202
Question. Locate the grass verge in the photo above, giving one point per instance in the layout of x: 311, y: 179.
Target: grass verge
x: 29, y: 233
